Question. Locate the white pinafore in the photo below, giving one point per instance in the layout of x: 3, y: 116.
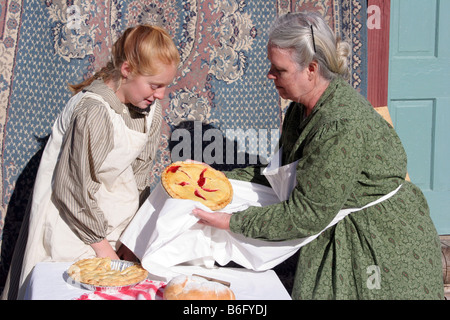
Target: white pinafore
x: 50, y: 238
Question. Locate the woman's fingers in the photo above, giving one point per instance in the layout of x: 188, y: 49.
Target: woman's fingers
x: 219, y: 220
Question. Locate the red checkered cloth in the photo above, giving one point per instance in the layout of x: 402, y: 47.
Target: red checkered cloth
x: 146, y: 290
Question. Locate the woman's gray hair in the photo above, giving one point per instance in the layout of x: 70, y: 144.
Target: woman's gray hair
x: 310, y: 38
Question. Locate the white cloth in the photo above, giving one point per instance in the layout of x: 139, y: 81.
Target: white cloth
x: 164, y: 232
x: 49, y: 281
x: 282, y: 179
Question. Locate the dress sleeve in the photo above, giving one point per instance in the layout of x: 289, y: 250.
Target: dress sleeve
x: 326, y: 174
x: 88, y: 140
x: 249, y: 174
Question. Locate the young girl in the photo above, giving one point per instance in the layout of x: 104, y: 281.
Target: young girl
x: 95, y: 169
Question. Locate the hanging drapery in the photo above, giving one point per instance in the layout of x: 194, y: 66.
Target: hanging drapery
x: 44, y: 45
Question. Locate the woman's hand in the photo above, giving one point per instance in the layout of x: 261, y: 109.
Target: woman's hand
x: 220, y: 220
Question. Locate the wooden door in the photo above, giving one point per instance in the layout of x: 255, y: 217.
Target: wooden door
x: 419, y: 96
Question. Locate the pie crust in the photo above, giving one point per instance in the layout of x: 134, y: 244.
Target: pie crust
x: 199, y: 182
x: 193, y: 287
x: 98, y: 272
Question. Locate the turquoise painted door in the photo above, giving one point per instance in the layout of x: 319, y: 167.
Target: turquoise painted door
x: 419, y: 97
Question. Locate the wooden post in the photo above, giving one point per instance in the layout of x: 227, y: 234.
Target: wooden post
x: 378, y: 27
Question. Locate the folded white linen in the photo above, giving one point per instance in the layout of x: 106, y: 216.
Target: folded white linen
x: 165, y: 233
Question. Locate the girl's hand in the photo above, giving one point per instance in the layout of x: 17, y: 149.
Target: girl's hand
x: 103, y: 250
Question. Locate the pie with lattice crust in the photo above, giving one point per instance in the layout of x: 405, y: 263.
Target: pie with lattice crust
x: 98, y: 272
x: 199, y: 182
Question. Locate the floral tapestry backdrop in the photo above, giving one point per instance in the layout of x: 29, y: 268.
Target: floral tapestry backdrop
x: 45, y: 44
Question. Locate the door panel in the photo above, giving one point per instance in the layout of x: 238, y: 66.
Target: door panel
x: 419, y: 97
x: 417, y: 114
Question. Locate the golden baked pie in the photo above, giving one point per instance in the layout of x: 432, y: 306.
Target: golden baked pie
x: 199, y: 182
x: 98, y: 272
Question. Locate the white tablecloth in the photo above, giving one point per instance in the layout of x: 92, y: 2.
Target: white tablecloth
x: 48, y: 281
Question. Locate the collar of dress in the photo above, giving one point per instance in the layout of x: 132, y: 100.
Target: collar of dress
x: 99, y: 87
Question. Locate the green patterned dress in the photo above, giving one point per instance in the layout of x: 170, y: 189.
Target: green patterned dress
x: 349, y: 157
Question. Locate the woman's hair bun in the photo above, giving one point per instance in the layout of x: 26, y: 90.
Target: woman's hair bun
x: 343, y: 52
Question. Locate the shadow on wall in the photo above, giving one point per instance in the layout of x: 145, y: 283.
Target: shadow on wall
x: 205, y: 143
x: 17, y: 208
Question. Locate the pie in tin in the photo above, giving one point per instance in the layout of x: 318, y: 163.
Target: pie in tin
x: 199, y: 182
x: 99, y: 272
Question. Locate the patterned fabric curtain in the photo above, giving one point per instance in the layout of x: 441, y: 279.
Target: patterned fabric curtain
x: 46, y: 44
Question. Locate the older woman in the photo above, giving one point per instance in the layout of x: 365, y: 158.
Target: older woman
x: 348, y: 156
